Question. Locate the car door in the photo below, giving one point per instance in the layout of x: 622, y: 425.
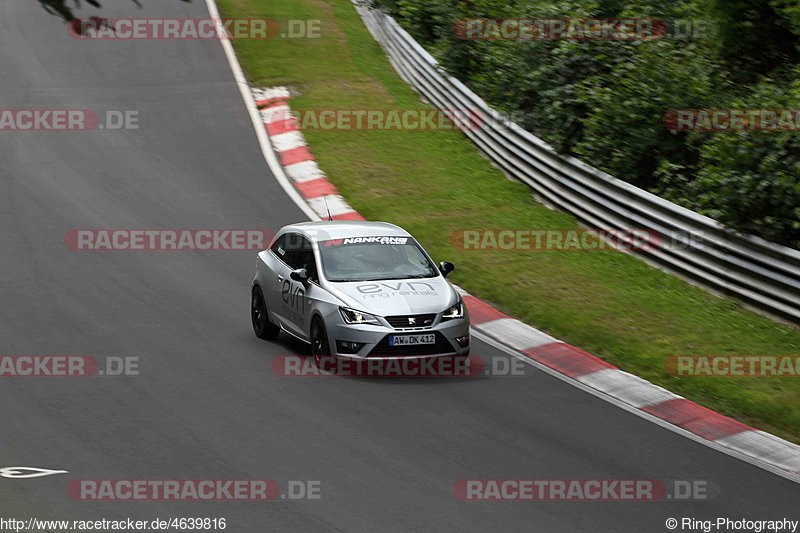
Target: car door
x: 275, y: 284
x: 290, y: 294
x: 312, y: 292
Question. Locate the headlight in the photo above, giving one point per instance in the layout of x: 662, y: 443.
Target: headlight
x: 457, y: 311
x: 351, y: 316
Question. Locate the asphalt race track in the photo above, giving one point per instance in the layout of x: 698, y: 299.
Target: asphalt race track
x: 205, y: 404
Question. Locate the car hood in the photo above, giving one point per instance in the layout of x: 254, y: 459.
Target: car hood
x: 397, y: 296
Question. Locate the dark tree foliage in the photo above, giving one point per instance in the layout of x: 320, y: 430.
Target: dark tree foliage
x: 66, y: 9
x: 605, y: 101
x: 756, y: 36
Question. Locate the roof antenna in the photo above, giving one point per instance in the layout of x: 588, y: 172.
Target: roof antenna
x: 330, y: 218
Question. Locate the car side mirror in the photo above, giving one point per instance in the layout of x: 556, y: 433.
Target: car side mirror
x: 300, y: 275
x: 446, y: 268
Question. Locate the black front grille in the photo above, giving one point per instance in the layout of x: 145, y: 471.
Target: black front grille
x: 411, y: 321
x: 441, y: 346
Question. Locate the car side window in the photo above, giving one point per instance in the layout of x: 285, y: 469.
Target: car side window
x: 301, y: 255
x: 293, y: 245
x: 279, y: 247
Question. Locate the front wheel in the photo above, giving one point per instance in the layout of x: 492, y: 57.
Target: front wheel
x: 262, y: 326
x: 319, y: 341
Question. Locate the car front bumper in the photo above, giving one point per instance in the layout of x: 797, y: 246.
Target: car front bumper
x: 375, y: 340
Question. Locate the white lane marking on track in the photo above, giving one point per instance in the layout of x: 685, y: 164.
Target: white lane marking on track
x: 258, y: 124
x: 715, y: 445
x: 17, y: 472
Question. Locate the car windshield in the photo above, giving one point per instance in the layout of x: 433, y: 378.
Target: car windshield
x: 374, y: 258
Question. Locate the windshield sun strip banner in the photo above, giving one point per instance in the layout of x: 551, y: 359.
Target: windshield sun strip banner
x: 350, y: 241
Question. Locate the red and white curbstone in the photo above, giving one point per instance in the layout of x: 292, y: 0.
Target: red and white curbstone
x: 298, y: 163
x: 573, y: 363
x: 600, y: 375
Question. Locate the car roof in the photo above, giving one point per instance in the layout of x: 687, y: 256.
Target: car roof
x: 338, y: 229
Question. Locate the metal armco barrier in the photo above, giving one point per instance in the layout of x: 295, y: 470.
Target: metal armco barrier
x: 763, y: 275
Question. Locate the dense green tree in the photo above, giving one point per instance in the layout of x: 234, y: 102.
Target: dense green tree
x: 605, y: 101
x: 756, y: 36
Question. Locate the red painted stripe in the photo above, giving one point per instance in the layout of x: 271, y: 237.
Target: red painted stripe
x: 281, y: 126
x: 480, y: 312
x: 697, y: 419
x: 567, y: 359
x: 315, y: 188
x: 271, y: 102
x: 352, y: 215
x: 295, y: 155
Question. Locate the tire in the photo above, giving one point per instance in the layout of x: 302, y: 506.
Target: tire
x: 259, y: 316
x: 320, y: 347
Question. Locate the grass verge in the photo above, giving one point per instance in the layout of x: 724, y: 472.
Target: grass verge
x: 435, y: 182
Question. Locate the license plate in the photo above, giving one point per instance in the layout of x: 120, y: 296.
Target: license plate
x: 411, y: 340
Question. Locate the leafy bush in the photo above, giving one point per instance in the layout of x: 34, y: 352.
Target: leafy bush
x: 604, y: 101
x: 750, y: 180
x: 625, y: 133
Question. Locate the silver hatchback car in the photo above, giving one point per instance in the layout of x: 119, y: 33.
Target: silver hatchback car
x: 357, y: 289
